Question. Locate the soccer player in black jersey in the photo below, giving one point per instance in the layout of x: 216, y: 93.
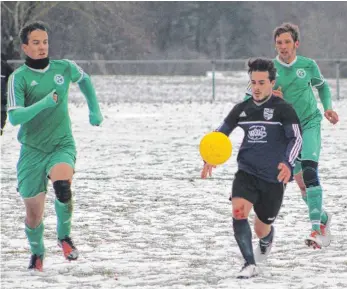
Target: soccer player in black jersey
x: 271, y: 144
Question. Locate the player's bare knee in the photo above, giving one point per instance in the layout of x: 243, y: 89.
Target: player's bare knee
x: 33, y: 220
x: 310, y: 173
x: 239, y: 212
x: 33, y: 217
x: 63, y: 190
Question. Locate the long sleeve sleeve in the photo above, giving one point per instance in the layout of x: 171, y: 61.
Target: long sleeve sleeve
x: 88, y: 91
x: 22, y: 115
x: 325, y: 96
x: 86, y: 86
x: 322, y: 86
x: 230, y: 122
x: 292, y: 131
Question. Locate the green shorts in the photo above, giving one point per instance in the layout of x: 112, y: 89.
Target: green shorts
x: 34, y: 166
x: 311, y: 143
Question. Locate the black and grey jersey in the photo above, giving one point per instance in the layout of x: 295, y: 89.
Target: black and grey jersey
x: 6, y: 70
x: 272, y: 135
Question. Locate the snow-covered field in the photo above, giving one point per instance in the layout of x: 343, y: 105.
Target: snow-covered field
x: 143, y: 217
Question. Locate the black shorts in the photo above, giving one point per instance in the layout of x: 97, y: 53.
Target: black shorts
x: 3, y: 119
x: 266, y: 197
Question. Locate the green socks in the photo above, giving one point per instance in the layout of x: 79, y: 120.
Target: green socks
x: 35, y: 238
x: 323, y: 217
x: 314, y: 202
x: 64, y: 215
x: 35, y: 235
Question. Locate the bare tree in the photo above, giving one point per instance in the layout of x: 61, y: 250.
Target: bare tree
x: 193, y: 29
x: 16, y: 14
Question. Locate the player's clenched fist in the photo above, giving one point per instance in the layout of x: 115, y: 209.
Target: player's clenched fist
x: 95, y: 118
x: 51, y: 99
x: 285, y: 173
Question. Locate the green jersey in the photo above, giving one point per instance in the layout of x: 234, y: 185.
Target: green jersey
x: 27, y: 86
x: 297, y: 80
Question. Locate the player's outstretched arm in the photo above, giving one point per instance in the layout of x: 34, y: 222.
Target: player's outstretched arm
x: 227, y: 127
x: 207, y: 168
x: 87, y: 88
x: 22, y: 115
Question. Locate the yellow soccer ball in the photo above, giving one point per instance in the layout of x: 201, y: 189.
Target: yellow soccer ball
x: 215, y: 148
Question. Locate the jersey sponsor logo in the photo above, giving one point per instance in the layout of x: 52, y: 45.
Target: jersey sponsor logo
x: 243, y: 114
x: 33, y: 83
x: 301, y: 73
x: 268, y: 113
x: 271, y: 219
x: 59, y: 79
x: 256, y: 133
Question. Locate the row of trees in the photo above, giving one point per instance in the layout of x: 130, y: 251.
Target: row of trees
x: 171, y: 30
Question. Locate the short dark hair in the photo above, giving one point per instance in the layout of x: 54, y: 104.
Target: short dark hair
x: 287, y: 27
x: 262, y: 64
x: 27, y: 29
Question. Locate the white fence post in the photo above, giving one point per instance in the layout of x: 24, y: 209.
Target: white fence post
x: 338, y: 80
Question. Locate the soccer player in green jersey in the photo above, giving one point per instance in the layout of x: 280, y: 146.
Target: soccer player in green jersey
x: 296, y: 77
x: 38, y: 101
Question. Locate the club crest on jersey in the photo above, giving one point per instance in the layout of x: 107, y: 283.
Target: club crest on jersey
x: 59, y: 79
x: 301, y: 73
x: 268, y: 113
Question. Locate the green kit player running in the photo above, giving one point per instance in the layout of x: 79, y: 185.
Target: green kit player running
x: 296, y: 75
x: 38, y: 101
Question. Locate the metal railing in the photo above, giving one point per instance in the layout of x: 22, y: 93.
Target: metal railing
x: 212, y: 65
